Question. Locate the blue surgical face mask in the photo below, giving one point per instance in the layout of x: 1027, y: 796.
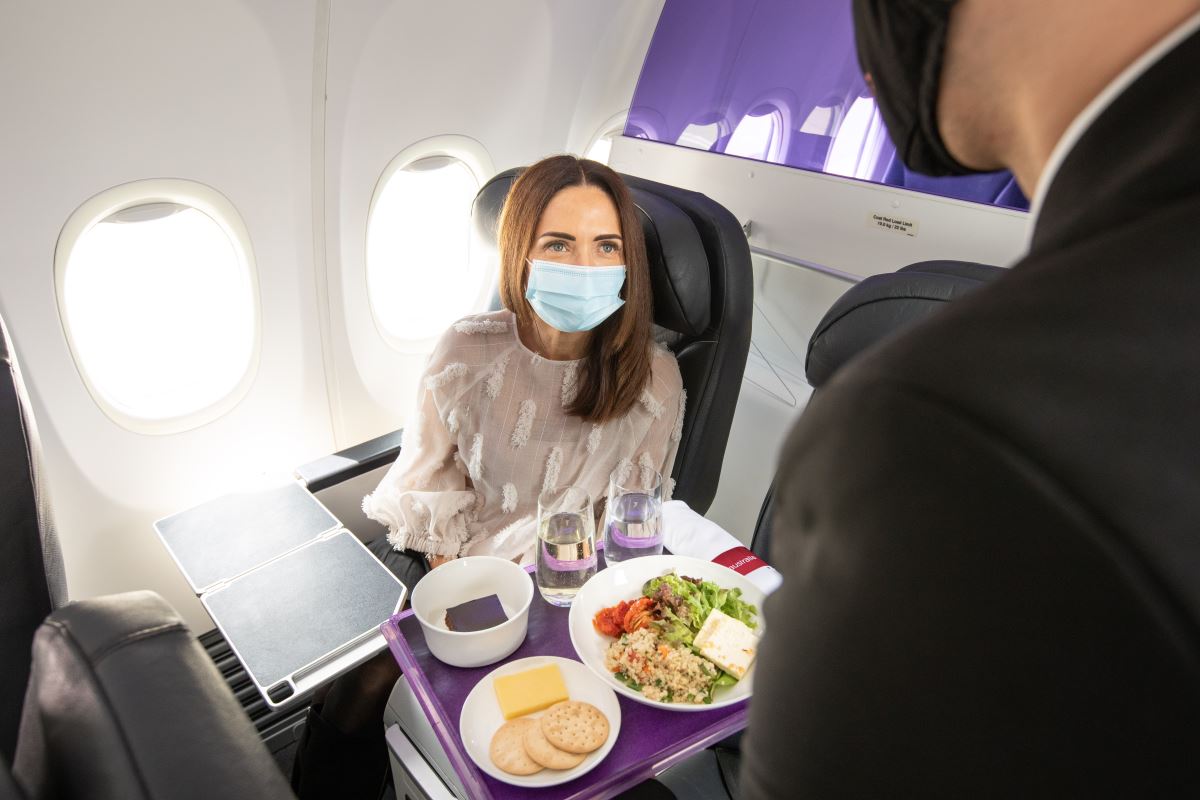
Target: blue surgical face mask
x: 572, y: 299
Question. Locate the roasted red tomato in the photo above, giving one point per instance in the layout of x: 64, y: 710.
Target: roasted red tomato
x: 604, y: 624
x: 608, y: 621
x: 638, y: 615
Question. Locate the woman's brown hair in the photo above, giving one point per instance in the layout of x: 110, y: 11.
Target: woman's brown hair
x: 617, y: 366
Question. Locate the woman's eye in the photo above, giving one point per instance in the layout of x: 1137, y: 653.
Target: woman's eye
x: 610, y: 248
x: 557, y: 247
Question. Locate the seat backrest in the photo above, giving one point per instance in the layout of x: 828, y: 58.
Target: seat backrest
x: 31, y: 570
x: 883, y: 305
x: 869, y: 312
x: 703, y: 300
x: 124, y: 703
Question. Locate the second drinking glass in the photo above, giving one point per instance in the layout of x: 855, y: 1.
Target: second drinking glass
x: 633, y: 518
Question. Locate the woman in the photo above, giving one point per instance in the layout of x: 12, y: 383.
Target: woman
x: 564, y: 386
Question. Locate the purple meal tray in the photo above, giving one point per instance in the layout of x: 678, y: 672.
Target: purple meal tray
x: 650, y: 741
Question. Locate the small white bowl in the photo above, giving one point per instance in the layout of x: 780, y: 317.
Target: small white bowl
x: 465, y: 579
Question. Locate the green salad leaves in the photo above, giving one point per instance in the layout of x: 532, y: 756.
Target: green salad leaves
x: 687, y: 602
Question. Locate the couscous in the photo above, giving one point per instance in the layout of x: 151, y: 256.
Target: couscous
x: 661, y: 671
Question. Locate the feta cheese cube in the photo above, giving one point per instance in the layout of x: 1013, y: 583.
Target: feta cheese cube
x: 727, y: 642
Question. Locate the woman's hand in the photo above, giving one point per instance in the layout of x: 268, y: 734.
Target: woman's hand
x: 437, y: 561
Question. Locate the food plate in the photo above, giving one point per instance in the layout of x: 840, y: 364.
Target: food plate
x: 624, y: 581
x: 481, y: 718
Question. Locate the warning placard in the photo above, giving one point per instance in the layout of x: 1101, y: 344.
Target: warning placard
x: 887, y: 222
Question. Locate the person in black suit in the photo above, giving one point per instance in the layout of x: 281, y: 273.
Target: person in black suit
x: 989, y: 526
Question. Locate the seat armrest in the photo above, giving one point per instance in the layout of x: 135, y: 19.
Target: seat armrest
x: 349, y: 463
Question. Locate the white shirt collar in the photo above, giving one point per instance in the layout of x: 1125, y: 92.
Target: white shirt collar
x: 1102, y: 101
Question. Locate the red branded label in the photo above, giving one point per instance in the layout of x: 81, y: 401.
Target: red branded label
x: 740, y: 559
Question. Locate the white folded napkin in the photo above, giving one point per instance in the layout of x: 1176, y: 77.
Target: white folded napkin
x: 686, y: 533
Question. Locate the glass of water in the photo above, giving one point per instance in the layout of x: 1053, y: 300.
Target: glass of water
x: 633, y: 518
x: 566, y: 549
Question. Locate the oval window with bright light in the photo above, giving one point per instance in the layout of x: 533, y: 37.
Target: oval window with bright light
x: 758, y: 136
x: 700, y: 137
x: 160, y: 306
x: 419, y: 275
x: 601, y: 149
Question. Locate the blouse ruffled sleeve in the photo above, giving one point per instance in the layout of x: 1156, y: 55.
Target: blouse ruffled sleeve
x: 425, y: 499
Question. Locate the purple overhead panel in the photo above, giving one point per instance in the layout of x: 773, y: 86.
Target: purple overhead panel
x: 778, y: 81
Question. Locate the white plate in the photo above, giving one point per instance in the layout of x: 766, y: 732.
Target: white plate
x: 481, y: 718
x: 624, y: 581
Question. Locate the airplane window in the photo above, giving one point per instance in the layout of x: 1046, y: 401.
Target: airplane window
x: 419, y: 278
x: 601, y: 145
x: 701, y: 137
x: 601, y: 149
x: 820, y: 121
x: 161, y: 311
x: 860, y: 142
x: 758, y: 136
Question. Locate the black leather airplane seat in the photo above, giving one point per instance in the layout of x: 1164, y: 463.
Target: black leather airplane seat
x: 882, y: 305
x: 869, y: 312
x: 703, y: 299
x: 32, y: 580
x: 124, y: 703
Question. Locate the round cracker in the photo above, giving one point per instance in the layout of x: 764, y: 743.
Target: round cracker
x: 507, y: 750
x: 575, y: 726
x: 546, y: 754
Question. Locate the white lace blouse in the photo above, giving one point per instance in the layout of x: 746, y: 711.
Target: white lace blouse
x: 490, y: 433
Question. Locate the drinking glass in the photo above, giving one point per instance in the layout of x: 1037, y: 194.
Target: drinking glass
x: 633, y: 518
x: 566, y: 551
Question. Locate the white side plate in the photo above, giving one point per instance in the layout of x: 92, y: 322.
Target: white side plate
x: 481, y: 718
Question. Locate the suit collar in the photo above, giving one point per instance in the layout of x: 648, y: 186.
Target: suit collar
x: 1135, y: 148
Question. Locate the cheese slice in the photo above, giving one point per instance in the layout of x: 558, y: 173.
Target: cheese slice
x: 727, y: 642
x: 523, y: 693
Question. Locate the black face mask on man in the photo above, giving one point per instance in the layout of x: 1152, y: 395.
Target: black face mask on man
x: 901, y: 44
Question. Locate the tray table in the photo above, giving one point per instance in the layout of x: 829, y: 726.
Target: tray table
x: 650, y: 741
x: 297, y: 596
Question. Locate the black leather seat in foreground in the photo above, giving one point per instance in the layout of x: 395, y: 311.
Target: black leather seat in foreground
x: 31, y: 568
x: 120, y: 700
x: 123, y: 703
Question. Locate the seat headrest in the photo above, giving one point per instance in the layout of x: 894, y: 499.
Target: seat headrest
x: 123, y: 702
x: 679, y: 270
x: 883, y: 305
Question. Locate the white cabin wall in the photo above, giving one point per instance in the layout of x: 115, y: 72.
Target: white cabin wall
x: 99, y: 94
x: 823, y: 220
